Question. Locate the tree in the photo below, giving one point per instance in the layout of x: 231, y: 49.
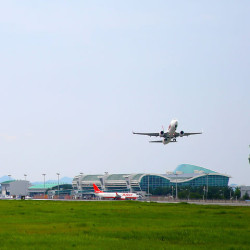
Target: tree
x: 237, y: 193
x: 246, y: 196
x: 189, y: 192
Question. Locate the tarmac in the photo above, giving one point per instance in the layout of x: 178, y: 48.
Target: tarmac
x: 197, y: 202
x: 221, y: 203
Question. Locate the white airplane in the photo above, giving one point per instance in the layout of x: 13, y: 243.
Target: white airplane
x: 170, y: 135
x: 115, y: 196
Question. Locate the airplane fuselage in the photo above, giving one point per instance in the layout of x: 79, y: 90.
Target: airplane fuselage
x: 171, y: 131
x: 118, y: 196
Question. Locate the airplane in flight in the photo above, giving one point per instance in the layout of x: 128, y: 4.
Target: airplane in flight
x: 115, y: 196
x: 170, y: 135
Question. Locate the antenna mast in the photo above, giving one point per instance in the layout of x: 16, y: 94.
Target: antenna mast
x: 249, y: 156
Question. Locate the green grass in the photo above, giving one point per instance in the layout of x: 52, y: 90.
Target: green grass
x: 122, y: 225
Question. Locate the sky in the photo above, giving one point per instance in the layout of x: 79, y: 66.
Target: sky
x: 77, y: 77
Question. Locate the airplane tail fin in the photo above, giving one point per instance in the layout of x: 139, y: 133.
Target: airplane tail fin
x: 97, y: 190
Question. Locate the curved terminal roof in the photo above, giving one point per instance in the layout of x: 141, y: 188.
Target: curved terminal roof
x: 140, y: 176
x: 117, y: 177
x: 91, y: 177
x: 190, y: 169
x: 137, y: 177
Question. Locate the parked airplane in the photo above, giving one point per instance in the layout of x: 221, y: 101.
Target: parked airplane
x: 115, y: 196
x: 170, y: 135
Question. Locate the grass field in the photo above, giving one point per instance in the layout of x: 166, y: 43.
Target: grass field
x: 122, y: 225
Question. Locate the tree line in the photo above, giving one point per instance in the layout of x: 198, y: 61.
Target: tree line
x: 220, y: 193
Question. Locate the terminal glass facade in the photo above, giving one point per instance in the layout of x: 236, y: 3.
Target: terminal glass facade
x: 153, y: 181
x: 210, y: 180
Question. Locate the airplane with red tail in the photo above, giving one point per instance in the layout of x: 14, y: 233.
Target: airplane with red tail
x: 115, y: 196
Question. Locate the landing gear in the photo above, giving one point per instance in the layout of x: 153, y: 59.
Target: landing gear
x: 174, y: 139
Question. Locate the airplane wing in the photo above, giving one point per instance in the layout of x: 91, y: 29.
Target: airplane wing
x: 187, y: 134
x: 149, y: 134
x: 160, y: 141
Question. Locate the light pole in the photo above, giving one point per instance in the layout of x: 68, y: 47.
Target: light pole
x: 204, y: 189
x: 44, y: 184
x: 25, y: 175
x: 207, y: 186
x: 172, y: 192
x: 80, y: 185
x: 58, y: 174
x: 148, y: 186
x: 176, y: 196
x: 188, y: 193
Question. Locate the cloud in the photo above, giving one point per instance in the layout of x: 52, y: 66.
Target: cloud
x: 9, y: 138
x: 29, y: 134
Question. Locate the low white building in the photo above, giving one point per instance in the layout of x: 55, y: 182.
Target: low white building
x: 15, y: 188
x: 244, y: 190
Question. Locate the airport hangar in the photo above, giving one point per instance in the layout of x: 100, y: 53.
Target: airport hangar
x: 24, y: 188
x: 183, y: 175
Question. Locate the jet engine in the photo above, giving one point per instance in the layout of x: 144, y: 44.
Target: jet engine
x: 117, y: 197
x: 161, y: 134
x: 165, y: 141
x: 181, y: 133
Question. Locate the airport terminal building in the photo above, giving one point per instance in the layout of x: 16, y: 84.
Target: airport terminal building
x: 183, y: 175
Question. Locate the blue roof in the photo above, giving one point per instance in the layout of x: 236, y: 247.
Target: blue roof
x: 6, y: 182
x: 47, y: 185
x: 190, y: 169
